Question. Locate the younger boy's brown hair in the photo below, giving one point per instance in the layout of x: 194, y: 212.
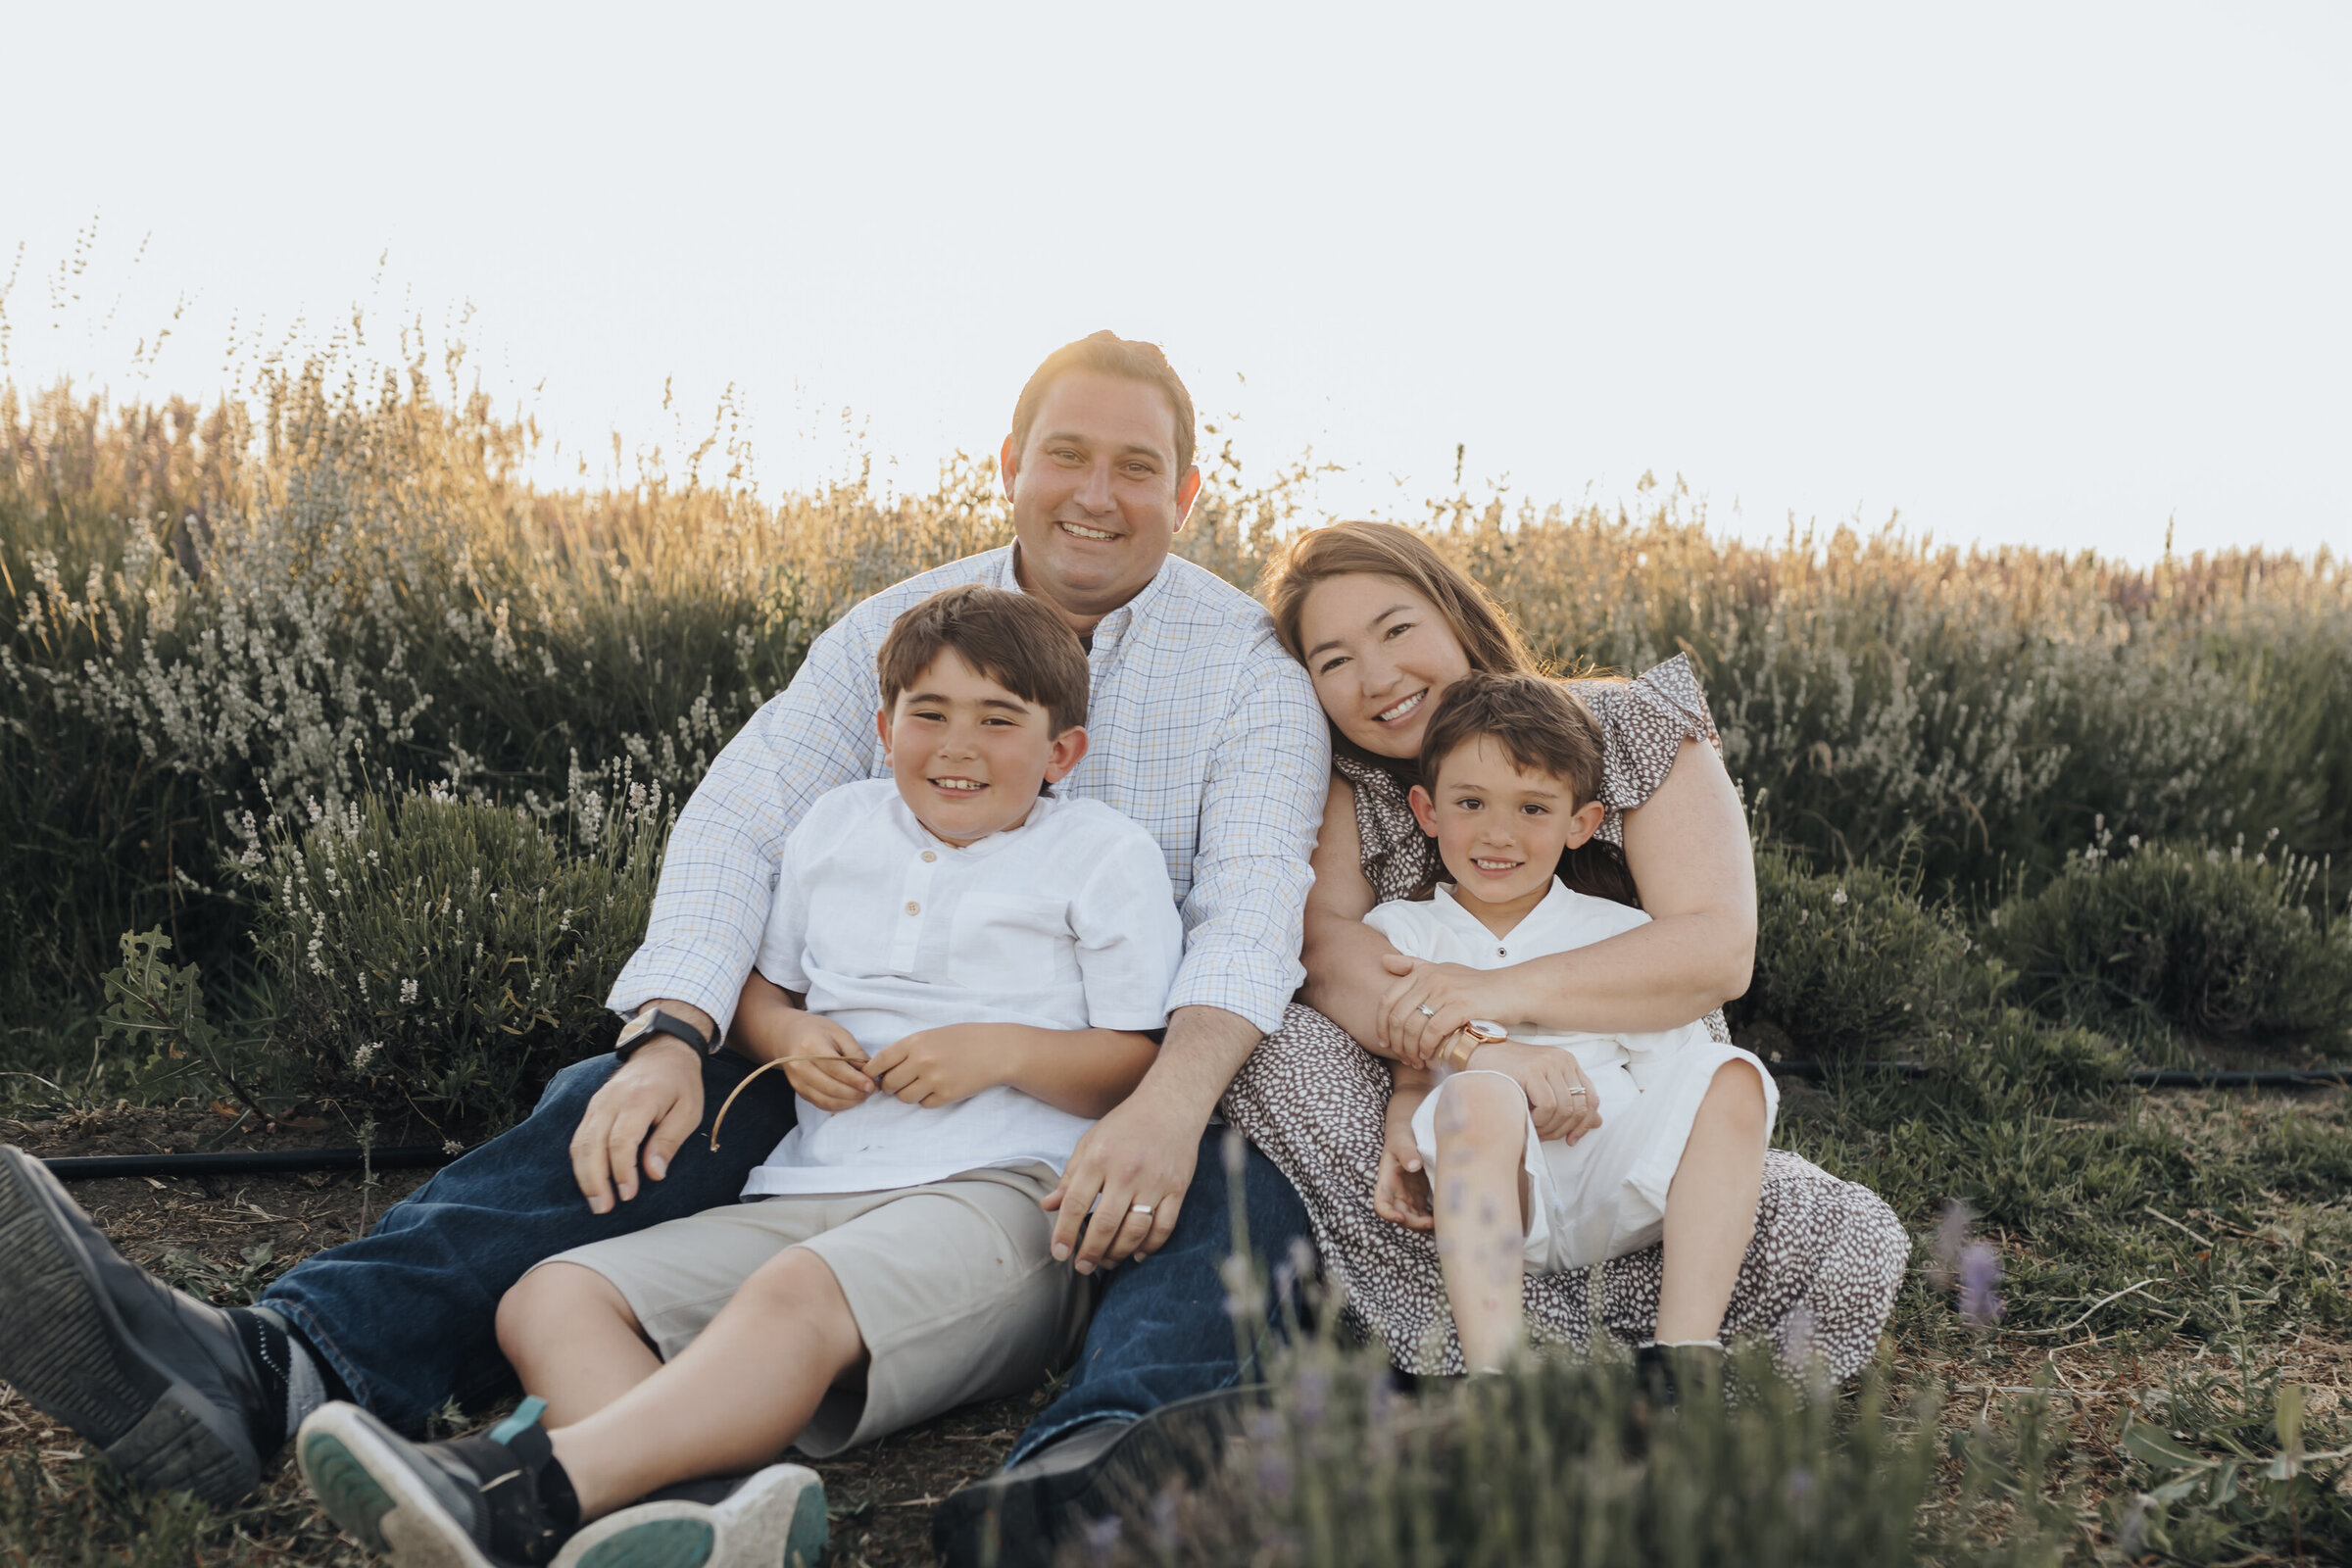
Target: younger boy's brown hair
x: 1540, y: 725
x: 1008, y: 637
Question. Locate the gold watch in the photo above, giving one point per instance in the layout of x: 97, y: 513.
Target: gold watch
x: 1474, y: 1034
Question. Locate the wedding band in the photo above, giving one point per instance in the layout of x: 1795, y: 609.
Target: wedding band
x: 1578, y: 1092
x: 1428, y: 1012
x: 1146, y: 1208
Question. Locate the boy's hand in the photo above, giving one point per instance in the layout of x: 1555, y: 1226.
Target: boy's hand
x: 939, y: 1066
x: 1559, y: 1096
x: 836, y: 1083
x: 1401, y: 1192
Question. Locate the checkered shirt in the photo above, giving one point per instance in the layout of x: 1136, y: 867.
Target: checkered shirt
x: 1200, y: 728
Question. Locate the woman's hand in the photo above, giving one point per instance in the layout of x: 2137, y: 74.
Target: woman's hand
x: 836, y: 1083
x: 1401, y: 1192
x: 1428, y: 1004
x: 1559, y: 1096
x: 938, y: 1066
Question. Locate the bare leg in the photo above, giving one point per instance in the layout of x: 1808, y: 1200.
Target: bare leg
x: 1482, y: 1212
x: 574, y: 1341
x: 731, y: 1401
x: 1711, y: 1207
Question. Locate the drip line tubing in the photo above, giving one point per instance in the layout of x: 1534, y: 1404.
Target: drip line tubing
x: 259, y: 1163
x: 431, y: 1157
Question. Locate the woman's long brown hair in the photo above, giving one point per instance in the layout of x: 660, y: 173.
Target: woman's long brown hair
x: 1492, y: 643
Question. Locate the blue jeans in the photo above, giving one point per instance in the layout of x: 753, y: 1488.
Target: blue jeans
x: 1161, y: 1330
x: 407, y: 1315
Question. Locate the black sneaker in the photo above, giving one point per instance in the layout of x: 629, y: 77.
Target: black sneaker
x: 155, y: 1379
x: 773, y: 1518
x: 1018, y: 1517
x: 472, y: 1502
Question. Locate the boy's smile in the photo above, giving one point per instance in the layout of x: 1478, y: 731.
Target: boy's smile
x: 1500, y: 829
x: 970, y: 756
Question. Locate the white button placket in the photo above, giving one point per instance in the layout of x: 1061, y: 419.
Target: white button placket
x: 914, y: 896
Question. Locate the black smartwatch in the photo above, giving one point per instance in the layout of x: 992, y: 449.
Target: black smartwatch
x: 653, y: 1021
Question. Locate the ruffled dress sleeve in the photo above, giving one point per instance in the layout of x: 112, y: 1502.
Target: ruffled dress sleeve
x: 1644, y: 722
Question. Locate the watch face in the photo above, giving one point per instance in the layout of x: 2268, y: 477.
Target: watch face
x: 634, y: 1027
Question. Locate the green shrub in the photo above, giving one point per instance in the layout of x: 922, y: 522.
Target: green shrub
x: 1847, y: 963
x: 2170, y: 943
x: 441, y: 957
x: 1541, y: 1466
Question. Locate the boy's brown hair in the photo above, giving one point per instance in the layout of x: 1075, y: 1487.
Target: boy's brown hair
x: 1008, y: 637
x: 1540, y: 724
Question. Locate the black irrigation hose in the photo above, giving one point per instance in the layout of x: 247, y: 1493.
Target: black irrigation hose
x: 262, y: 1163
x: 428, y: 1157
x: 2147, y: 1077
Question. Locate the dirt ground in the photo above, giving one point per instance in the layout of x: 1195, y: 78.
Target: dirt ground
x: 225, y: 1238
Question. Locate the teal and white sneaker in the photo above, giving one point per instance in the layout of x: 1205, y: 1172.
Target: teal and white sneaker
x: 474, y: 1503
x: 773, y: 1518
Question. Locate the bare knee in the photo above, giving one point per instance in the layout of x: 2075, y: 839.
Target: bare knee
x: 1734, y: 1102
x: 551, y: 1297
x: 1481, y: 1112
x: 798, y: 1287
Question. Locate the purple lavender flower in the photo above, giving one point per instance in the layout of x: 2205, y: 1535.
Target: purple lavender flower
x: 1951, y: 1235
x: 1101, y: 1534
x: 1979, y: 1272
x: 1167, y: 1521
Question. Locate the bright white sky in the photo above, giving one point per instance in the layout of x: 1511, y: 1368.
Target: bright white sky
x: 2046, y: 272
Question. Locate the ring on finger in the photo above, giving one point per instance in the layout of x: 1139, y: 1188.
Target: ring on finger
x: 1428, y: 1012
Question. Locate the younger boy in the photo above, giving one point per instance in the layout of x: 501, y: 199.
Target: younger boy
x: 1510, y: 768
x: 987, y: 957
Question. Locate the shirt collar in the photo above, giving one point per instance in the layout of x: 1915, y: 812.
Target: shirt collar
x: 1113, y: 628
x: 902, y: 815
x: 1548, y: 908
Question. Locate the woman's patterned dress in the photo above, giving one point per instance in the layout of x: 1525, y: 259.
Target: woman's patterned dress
x: 1820, y: 1276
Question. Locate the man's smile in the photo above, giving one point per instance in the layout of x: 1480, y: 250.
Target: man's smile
x: 1079, y: 530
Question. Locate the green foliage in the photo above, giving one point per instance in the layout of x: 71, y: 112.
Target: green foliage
x: 443, y: 957
x: 153, y: 1004
x: 2168, y: 941
x: 1849, y: 962
x: 2235, y: 1469
x: 1562, y: 1462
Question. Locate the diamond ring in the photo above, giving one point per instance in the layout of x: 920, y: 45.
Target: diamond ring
x: 1428, y: 1012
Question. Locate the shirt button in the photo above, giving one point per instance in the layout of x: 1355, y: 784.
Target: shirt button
x: 914, y: 907
x: 1502, y: 953
x: 930, y: 854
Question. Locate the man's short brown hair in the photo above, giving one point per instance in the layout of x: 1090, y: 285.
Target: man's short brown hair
x: 1541, y: 726
x: 1108, y: 354
x: 1010, y: 638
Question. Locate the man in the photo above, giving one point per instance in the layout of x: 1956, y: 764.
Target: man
x: 1205, y: 731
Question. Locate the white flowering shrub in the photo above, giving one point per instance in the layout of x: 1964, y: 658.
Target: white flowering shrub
x: 439, y: 958
x: 1849, y: 962
x: 2179, y: 945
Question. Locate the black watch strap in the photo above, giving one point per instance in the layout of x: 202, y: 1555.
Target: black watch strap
x: 653, y: 1021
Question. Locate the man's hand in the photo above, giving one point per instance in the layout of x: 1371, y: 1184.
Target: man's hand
x: 1452, y: 993
x: 1142, y: 1152
x: 1401, y: 1192
x: 837, y: 1082
x: 659, y: 1088
x: 1559, y: 1096
x: 939, y: 1066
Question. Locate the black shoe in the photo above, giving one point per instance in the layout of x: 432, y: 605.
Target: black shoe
x: 474, y: 1503
x: 155, y: 1379
x: 1017, y: 1517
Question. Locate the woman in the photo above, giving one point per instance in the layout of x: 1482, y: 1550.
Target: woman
x: 1383, y: 625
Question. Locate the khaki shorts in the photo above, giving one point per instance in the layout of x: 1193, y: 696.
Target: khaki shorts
x: 953, y: 1287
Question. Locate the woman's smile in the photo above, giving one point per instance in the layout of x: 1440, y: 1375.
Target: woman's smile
x: 1399, y: 711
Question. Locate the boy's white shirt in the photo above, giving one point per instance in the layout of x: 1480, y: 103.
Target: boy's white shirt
x: 1440, y: 929
x: 1068, y: 921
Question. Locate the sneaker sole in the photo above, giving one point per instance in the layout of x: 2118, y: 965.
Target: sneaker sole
x: 775, y: 1520
x: 365, y: 1484
x: 84, y: 1370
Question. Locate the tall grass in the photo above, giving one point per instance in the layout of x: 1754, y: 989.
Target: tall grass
x: 345, y: 582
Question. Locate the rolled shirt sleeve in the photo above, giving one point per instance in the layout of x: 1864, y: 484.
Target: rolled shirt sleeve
x: 1261, y: 806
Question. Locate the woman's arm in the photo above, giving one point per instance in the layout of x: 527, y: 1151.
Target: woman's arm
x: 1344, y: 979
x: 1688, y: 851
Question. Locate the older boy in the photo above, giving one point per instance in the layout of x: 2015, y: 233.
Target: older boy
x: 980, y: 961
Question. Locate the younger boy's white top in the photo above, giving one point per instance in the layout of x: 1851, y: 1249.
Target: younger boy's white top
x: 1064, y: 922
x: 1442, y: 931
